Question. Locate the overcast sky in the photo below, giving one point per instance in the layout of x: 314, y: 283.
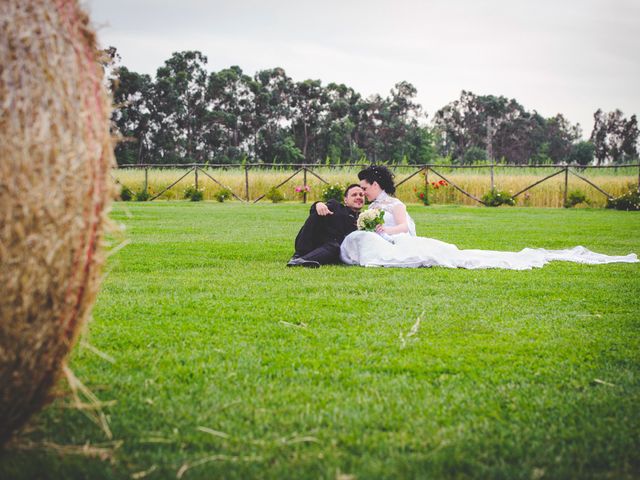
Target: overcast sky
x: 553, y: 56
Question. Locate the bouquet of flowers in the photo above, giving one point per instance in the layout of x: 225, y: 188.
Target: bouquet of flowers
x: 369, y: 219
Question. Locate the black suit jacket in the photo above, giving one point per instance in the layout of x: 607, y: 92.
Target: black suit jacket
x: 318, y: 230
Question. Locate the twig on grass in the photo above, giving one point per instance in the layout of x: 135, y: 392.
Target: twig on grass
x: 144, y: 473
x: 154, y: 440
x: 117, y: 248
x: 102, y: 451
x: 301, y: 326
x: 303, y: 439
x: 412, y: 332
x: 296, y: 325
x: 89, y: 406
x: 602, y: 382
x: 416, y: 326
x: 95, y: 414
x: 100, y: 353
x: 227, y: 405
x: 213, y: 432
x: 216, y: 458
x: 344, y: 476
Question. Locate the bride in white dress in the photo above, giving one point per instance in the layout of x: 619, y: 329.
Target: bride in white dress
x: 403, y: 248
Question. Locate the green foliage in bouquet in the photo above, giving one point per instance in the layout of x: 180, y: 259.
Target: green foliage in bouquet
x: 369, y: 219
x: 495, y: 198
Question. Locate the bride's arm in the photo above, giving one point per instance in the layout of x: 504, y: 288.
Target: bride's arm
x: 402, y: 222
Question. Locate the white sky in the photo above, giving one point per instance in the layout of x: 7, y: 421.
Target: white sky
x: 553, y: 56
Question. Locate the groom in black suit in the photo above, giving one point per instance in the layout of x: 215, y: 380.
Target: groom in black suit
x: 319, y: 239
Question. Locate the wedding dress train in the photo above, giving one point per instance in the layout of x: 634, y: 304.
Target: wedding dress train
x: 407, y: 250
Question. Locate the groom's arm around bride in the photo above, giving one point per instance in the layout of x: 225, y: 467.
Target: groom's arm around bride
x: 319, y: 239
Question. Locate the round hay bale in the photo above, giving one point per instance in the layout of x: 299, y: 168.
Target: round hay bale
x: 55, y: 158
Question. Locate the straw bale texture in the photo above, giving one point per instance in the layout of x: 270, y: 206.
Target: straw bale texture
x: 55, y: 158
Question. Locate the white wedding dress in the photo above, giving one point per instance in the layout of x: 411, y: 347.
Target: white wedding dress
x: 407, y: 250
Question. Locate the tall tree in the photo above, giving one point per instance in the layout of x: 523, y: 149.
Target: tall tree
x: 462, y: 124
x: 560, y: 135
x: 272, y: 113
x: 132, y: 96
x: 629, y: 143
x: 369, y: 127
x: 181, y: 110
x: 599, y: 137
x: 231, y: 96
x: 615, y: 138
x: 339, y: 127
x: 308, y: 107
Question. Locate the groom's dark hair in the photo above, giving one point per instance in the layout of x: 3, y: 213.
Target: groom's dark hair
x: 346, y: 191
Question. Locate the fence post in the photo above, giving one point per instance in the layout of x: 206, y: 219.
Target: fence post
x: 566, y: 185
x: 304, y: 185
x: 196, y: 171
x: 492, y: 165
x: 638, y: 177
x: 146, y: 180
x: 490, y: 132
x: 246, y: 182
x: 426, y: 184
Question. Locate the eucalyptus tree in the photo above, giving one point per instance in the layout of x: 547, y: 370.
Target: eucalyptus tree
x: 371, y: 114
x: 338, y: 133
x: 463, y: 123
x: 181, y: 113
x: 615, y: 138
x: 506, y: 128
x: 308, y: 111
x: 582, y: 153
x: 560, y: 136
x: 401, y: 123
x: 132, y: 96
x: 272, y: 136
x: 518, y: 139
x: 231, y: 99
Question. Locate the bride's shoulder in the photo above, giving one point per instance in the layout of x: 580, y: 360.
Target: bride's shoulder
x: 386, y: 200
x: 394, y: 202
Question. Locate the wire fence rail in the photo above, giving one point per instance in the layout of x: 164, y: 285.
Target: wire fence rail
x: 408, y: 171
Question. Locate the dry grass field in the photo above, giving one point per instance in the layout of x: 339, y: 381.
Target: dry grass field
x: 475, y: 181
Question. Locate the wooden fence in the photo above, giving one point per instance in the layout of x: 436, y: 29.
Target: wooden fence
x: 427, y: 169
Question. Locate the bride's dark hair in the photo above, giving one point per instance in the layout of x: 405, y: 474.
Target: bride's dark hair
x: 380, y: 174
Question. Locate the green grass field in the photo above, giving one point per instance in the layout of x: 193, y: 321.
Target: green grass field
x: 229, y: 365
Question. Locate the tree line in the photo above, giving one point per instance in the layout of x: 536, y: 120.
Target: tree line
x: 189, y: 115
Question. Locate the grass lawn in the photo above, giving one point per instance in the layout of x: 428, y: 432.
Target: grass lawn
x: 230, y: 365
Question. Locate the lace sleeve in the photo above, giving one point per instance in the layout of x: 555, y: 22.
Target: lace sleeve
x: 387, y: 204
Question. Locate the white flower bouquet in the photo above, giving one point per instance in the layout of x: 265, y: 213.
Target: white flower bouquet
x: 369, y: 219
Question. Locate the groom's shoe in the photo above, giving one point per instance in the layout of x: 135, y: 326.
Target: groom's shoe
x: 301, y: 262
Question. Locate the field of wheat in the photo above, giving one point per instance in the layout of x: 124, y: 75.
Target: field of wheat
x: 477, y: 182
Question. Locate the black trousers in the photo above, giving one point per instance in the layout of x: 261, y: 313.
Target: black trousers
x: 312, y: 244
x: 326, y: 254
